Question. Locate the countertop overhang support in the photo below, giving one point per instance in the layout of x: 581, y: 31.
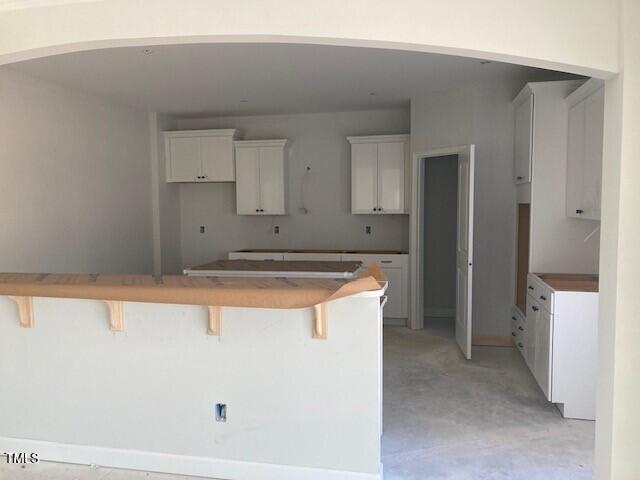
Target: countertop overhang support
x: 25, y: 310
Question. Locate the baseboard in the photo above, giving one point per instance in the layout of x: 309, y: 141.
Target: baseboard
x: 175, y: 464
x: 395, y: 322
x: 496, y: 341
x: 439, y: 312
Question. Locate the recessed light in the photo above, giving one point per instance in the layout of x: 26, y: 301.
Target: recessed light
x: 147, y: 51
x: 484, y: 62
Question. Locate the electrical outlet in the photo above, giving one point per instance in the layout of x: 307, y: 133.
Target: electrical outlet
x: 276, y: 230
x: 221, y: 412
x: 202, y: 228
x: 367, y: 229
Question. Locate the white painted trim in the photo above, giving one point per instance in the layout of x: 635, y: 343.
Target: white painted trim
x: 439, y: 312
x: 416, y: 230
x: 583, y: 91
x: 379, y: 138
x: 261, y: 143
x: 154, y: 159
x: 226, y: 132
x: 175, y: 464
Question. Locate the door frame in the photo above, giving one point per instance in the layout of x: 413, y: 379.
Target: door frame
x: 416, y: 229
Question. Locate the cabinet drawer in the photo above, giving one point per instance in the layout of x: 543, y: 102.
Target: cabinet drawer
x: 383, y: 261
x: 541, y: 292
x: 255, y: 256
x: 323, y: 257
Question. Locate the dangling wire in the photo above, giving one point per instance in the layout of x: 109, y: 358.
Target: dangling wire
x: 303, y: 187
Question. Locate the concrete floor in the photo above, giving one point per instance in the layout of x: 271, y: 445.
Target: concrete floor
x: 445, y: 418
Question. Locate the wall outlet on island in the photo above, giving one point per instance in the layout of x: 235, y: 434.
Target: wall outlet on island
x: 367, y: 229
x: 221, y: 412
x: 276, y: 230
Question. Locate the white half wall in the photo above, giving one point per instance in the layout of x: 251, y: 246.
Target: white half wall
x: 318, y: 140
x: 298, y: 408
x: 74, y: 180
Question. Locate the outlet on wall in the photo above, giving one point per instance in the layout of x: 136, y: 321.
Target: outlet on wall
x: 367, y: 229
x: 276, y: 230
x: 202, y: 229
x: 221, y: 412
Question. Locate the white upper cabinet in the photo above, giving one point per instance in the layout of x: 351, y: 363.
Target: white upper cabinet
x: 584, y: 150
x: 200, y: 155
x: 523, y: 139
x: 261, y: 177
x: 378, y: 173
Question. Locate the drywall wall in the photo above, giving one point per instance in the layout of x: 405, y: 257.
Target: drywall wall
x: 74, y: 180
x: 481, y: 115
x: 617, y: 413
x: 165, y: 201
x: 297, y: 407
x: 317, y: 141
x: 440, y: 233
x: 580, y: 35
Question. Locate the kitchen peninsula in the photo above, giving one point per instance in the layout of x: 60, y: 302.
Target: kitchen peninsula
x: 223, y: 377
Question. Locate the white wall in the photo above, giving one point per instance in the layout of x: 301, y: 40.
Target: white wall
x: 318, y: 140
x: 75, y: 181
x: 440, y: 232
x: 580, y: 35
x: 481, y: 115
x: 145, y: 398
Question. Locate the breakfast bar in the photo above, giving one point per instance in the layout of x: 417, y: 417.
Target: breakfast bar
x: 225, y: 377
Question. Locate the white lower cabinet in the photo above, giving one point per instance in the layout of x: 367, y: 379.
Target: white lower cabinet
x: 256, y: 256
x: 558, y: 340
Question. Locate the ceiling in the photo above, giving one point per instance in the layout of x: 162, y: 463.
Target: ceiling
x: 239, y: 79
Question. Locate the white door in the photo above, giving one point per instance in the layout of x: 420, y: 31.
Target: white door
x: 271, y: 181
x: 217, y: 159
x: 391, y: 177
x: 523, y: 140
x: 184, y: 155
x: 247, y: 181
x: 592, y: 173
x: 364, y: 178
x: 464, y: 250
x: 575, y: 159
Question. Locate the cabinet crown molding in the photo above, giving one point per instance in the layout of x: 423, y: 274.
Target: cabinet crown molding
x: 226, y: 132
x: 283, y: 142
x: 379, y: 138
x: 586, y: 89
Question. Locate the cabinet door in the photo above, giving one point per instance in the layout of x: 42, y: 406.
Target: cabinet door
x: 542, y: 371
x: 391, y: 157
x: 247, y: 181
x: 184, y: 158
x: 523, y: 140
x: 272, y: 200
x: 530, y: 341
x: 217, y: 159
x: 592, y: 172
x: 393, y: 308
x: 364, y: 178
x: 575, y: 159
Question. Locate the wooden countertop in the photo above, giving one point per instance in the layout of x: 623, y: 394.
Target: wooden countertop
x: 346, y: 251
x: 270, y: 268
x: 570, y: 282
x: 180, y: 289
x: 281, y: 266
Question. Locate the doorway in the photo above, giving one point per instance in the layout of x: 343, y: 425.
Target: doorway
x: 427, y: 167
x: 440, y: 232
